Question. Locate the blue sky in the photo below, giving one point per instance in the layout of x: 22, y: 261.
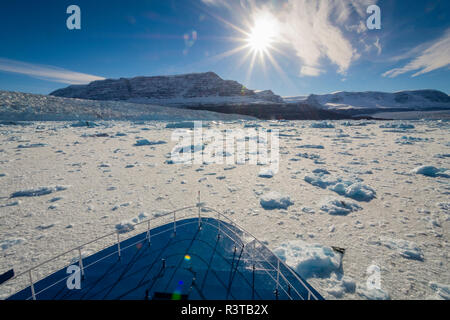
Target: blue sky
x: 318, y: 46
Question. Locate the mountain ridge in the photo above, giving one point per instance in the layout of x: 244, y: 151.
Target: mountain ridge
x: 424, y: 98
x: 192, y: 88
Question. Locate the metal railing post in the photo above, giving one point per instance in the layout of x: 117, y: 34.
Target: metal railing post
x: 148, y: 233
x: 218, y: 221
x: 174, y: 223
x: 253, y: 282
x: 199, y: 209
x: 254, y: 249
x: 33, y: 294
x: 80, y: 262
x: 278, y: 274
x: 118, y: 243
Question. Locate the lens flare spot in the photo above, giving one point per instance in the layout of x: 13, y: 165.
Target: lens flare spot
x: 176, y: 295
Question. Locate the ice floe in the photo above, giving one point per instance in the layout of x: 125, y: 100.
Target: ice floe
x: 340, y: 207
x: 38, y: 191
x: 33, y: 145
x: 442, y: 290
x: 431, y: 171
x: 402, y: 126
x: 88, y: 124
x: 145, y: 142
x: 275, y: 200
x: 311, y: 146
x: 266, y: 173
x: 373, y: 293
x: 338, y: 285
x: 354, y: 190
x: 309, y: 260
x: 181, y: 125
x: 350, y: 188
x: 128, y: 225
x: 10, y: 204
x: 405, y: 248
x: 8, y: 243
x: 322, y: 125
x: 410, y: 140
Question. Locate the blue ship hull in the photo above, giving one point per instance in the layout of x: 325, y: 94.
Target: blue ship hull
x: 181, y: 261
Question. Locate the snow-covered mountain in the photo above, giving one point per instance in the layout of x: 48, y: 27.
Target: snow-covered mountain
x: 17, y: 106
x: 363, y: 101
x: 178, y: 90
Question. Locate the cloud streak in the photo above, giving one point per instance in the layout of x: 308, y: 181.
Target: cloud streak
x: 46, y: 72
x: 431, y: 57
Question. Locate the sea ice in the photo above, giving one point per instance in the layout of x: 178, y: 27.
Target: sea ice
x: 45, y: 226
x: 128, y: 225
x: 338, y: 285
x: 339, y: 207
x: 311, y: 146
x: 274, y: 200
x: 5, y: 244
x: 88, y: 124
x: 431, y: 171
x: 356, y: 191
x: 38, y: 191
x: 397, y: 126
x: 309, y: 260
x: 321, y: 180
x: 33, y: 145
x: 348, y: 188
x: 181, y: 125
x: 441, y: 290
x: 310, y: 156
x: 410, y: 140
x: 444, y: 206
x: 145, y: 142
x: 406, y: 249
x: 373, y: 293
x: 321, y: 125
x: 11, y: 204
x: 442, y: 155
x: 266, y: 173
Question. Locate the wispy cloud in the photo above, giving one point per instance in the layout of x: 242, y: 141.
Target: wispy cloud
x: 316, y: 30
x: 46, y: 72
x: 430, y: 57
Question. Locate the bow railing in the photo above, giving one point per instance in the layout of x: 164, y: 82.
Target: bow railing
x: 30, y: 276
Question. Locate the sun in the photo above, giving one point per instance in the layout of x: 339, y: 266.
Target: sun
x: 260, y: 39
x: 263, y: 33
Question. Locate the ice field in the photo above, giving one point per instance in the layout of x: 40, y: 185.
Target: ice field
x: 379, y: 190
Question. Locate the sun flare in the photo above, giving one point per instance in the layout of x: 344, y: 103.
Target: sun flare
x: 261, y: 37
x: 263, y: 34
